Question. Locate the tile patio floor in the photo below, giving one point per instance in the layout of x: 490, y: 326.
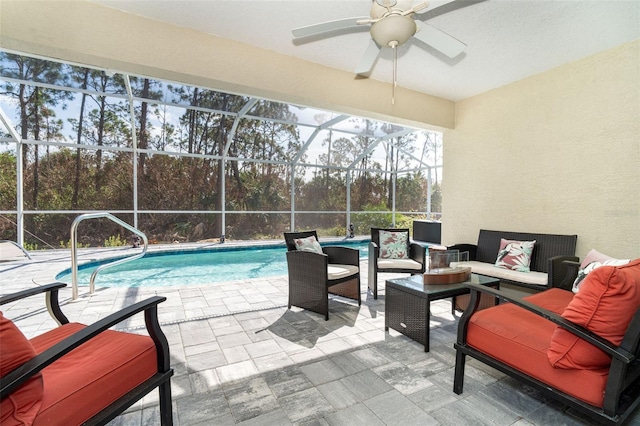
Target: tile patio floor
x: 240, y: 357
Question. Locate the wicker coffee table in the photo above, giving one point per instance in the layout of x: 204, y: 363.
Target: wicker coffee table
x: 407, y: 303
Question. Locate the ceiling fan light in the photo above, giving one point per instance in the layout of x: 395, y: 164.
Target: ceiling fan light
x: 393, y: 28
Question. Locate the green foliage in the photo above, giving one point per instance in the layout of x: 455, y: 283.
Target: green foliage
x: 115, y: 241
x: 7, y: 181
x: 29, y: 247
x: 403, y: 221
x: 99, y: 178
x: 336, y: 231
x: 363, y: 222
x: 67, y: 244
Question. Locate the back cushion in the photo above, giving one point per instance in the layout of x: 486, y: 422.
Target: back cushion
x: 21, y: 407
x: 515, y: 255
x: 593, y: 260
x: 607, y: 301
x: 308, y: 244
x: 394, y: 244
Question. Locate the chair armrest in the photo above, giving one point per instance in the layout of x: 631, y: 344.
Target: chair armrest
x: 302, y: 263
x: 581, y: 332
x: 342, y: 255
x: 558, y: 271
x: 374, y: 250
x: 417, y: 252
x: 571, y: 269
x: 18, y: 376
x: 471, y: 248
x: 51, y: 299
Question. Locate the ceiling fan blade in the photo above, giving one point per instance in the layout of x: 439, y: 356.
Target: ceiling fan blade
x: 439, y: 40
x: 324, y: 27
x: 368, y: 59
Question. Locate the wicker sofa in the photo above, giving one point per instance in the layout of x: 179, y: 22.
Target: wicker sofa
x: 581, y: 349
x: 548, y: 267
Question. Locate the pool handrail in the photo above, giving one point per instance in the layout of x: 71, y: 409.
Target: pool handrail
x: 74, y: 250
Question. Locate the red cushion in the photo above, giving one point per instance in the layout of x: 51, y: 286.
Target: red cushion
x: 91, y: 377
x: 608, y: 298
x: 520, y: 339
x: 21, y: 407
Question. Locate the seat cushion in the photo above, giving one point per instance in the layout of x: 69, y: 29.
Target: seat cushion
x: 607, y: 301
x: 92, y: 376
x: 520, y: 339
x: 21, y: 407
x: 532, y: 277
x: 399, y: 264
x: 336, y: 271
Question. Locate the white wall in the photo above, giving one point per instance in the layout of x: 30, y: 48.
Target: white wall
x: 558, y: 152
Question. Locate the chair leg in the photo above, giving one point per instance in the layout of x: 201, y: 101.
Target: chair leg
x: 373, y: 277
x: 458, y: 377
x: 373, y: 284
x: 166, y: 409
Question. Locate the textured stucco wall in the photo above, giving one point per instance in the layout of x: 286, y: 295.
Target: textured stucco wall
x: 558, y: 152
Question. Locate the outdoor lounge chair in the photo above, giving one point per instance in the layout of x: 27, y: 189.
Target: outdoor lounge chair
x: 315, y: 274
x: 384, y: 256
x: 582, y: 350
x: 77, y: 374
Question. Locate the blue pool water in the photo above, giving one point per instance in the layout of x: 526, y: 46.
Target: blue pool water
x: 186, y: 267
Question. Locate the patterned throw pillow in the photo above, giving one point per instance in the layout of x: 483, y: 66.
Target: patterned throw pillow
x: 308, y: 244
x: 593, y: 260
x: 394, y: 244
x: 515, y: 255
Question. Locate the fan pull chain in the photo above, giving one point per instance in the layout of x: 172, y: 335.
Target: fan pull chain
x: 394, y: 46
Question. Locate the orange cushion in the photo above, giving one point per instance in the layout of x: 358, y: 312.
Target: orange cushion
x: 92, y: 376
x: 21, y: 407
x: 520, y: 339
x: 607, y: 301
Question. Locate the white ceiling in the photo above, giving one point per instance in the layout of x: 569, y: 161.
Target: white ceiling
x: 507, y: 40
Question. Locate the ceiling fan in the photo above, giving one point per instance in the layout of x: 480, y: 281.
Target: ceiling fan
x: 392, y: 24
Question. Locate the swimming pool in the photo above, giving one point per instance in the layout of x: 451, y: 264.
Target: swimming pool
x: 194, y: 266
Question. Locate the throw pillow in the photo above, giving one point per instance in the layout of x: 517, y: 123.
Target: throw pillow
x: 607, y: 301
x: 308, y: 244
x: 22, y: 406
x: 594, y: 259
x: 394, y: 244
x: 515, y: 255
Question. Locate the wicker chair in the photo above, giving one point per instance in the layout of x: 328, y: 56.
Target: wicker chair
x: 414, y: 265
x: 312, y: 276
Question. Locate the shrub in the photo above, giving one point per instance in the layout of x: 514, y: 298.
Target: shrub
x: 116, y: 241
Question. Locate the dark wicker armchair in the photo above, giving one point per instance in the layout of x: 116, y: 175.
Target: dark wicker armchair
x: 312, y: 276
x: 414, y: 265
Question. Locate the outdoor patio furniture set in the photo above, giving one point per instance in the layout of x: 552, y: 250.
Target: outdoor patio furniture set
x: 577, y: 341
x: 579, y: 347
